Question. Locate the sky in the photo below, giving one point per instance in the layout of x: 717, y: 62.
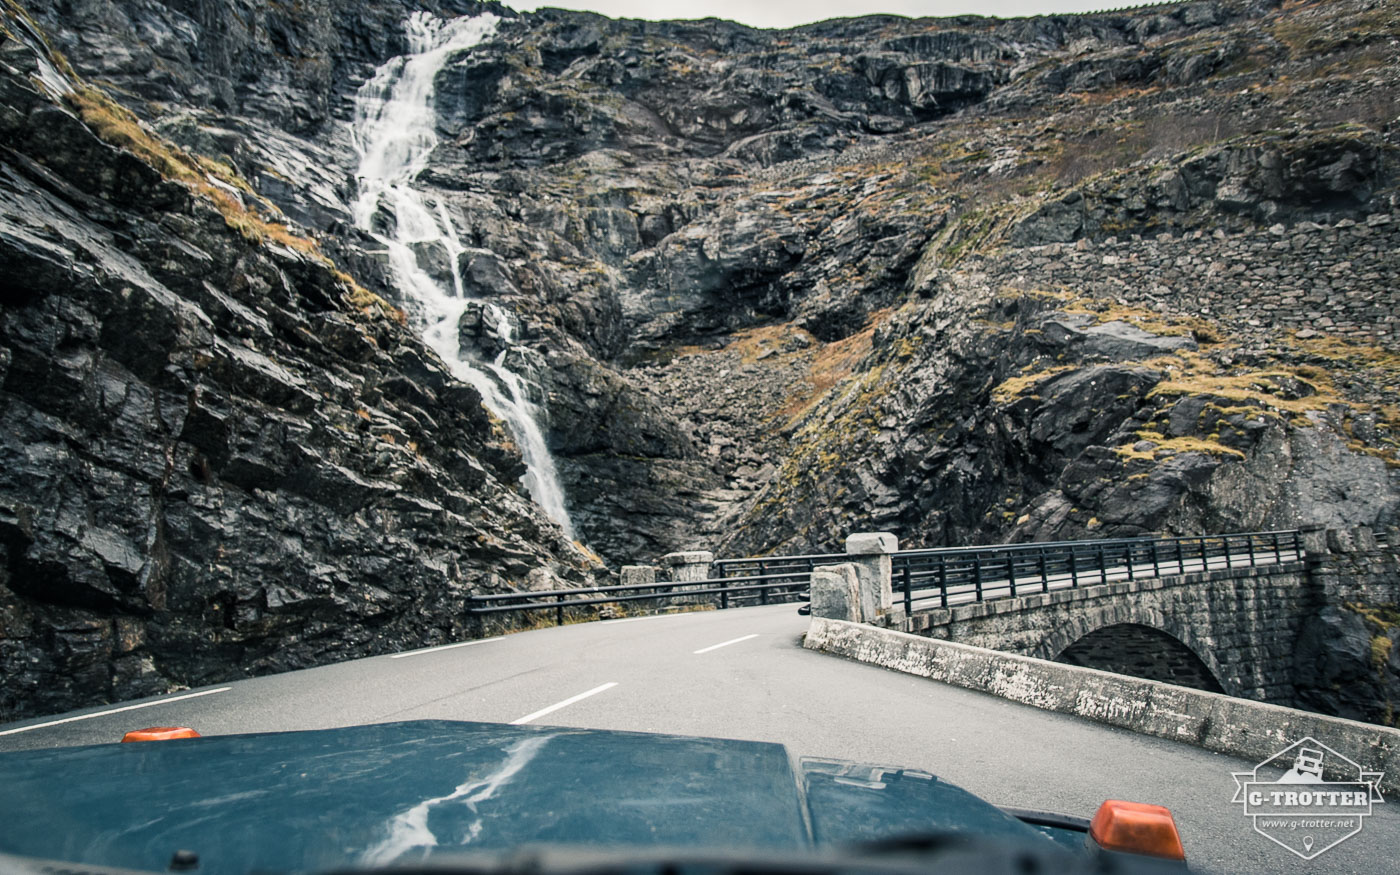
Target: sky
x: 790, y: 13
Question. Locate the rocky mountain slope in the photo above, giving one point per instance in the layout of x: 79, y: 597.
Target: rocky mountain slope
x: 220, y: 454
x: 966, y: 280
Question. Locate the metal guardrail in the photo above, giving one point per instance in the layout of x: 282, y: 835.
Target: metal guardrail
x: 727, y: 568
x: 758, y: 589
x: 959, y: 574
x: 975, y: 574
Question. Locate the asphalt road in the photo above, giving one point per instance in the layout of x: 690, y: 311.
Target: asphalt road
x: 742, y: 674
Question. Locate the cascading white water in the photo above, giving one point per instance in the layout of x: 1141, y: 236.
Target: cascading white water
x: 394, y: 133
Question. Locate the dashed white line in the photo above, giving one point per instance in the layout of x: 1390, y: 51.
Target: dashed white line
x: 116, y: 710
x: 444, y: 647
x: 725, y: 643
x: 564, y: 704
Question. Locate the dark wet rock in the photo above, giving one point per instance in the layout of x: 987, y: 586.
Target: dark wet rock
x: 1084, y: 407
x: 1060, y: 222
x: 486, y: 329
x: 1110, y: 341
x: 706, y: 275
x: 213, y: 463
x: 1346, y: 663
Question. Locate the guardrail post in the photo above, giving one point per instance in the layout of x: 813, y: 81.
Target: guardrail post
x: 838, y: 593
x: 687, y: 567
x: 1044, y: 578
x: 1311, y: 540
x: 638, y: 576
x: 870, y: 553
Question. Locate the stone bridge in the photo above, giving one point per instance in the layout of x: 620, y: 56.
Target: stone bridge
x: 1225, y: 630
x: 1231, y: 630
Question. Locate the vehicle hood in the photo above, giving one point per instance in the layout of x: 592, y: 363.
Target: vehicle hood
x: 369, y: 795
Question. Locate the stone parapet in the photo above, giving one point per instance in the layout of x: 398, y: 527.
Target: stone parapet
x: 1228, y: 725
x: 1355, y: 565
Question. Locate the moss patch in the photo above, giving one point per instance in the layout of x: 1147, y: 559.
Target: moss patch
x: 1172, y: 446
x: 1029, y: 379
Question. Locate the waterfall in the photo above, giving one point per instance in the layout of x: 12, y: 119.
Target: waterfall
x: 394, y: 133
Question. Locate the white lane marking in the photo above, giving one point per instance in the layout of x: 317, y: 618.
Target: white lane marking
x: 444, y: 647
x: 116, y: 710
x: 564, y: 704
x: 725, y: 643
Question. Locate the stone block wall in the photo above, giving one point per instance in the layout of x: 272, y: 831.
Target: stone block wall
x: 1356, y: 565
x: 1334, y: 279
x: 1251, y: 730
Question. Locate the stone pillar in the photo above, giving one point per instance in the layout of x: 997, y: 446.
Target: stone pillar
x: 1365, y: 539
x: 1340, y: 541
x: 836, y: 593
x: 870, y: 553
x: 633, y: 575
x: 637, y: 575
x: 689, y: 566
x: 1314, y: 542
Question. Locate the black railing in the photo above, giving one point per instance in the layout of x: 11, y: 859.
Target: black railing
x: 730, y: 592
x: 944, y: 576
x: 729, y: 568
x: 934, y: 577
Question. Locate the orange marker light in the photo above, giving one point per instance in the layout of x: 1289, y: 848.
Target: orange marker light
x: 1136, y: 828
x: 160, y: 733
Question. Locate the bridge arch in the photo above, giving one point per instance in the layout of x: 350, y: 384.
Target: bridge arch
x: 1130, y: 639
x: 1141, y: 651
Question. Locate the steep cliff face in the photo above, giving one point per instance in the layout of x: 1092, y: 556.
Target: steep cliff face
x: 220, y: 456
x: 966, y: 280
